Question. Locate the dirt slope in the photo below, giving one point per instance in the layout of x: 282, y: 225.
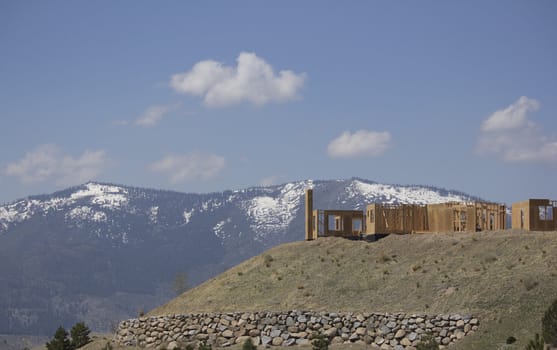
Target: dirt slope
x: 506, y: 278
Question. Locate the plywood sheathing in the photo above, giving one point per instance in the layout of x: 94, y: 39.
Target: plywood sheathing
x: 535, y: 215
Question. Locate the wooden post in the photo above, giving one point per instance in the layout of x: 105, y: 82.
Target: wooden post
x: 309, y: 215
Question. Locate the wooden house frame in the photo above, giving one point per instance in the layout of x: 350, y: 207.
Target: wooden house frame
x: 444, y: 217
x: 338, y: 223
x: 535, y: 215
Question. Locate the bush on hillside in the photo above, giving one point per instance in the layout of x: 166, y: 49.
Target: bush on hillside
x: 248, y: 345
x: 205, y: 346
x: 320, y: 342
x: 428, y: 342
x: 60, y: 340
x: 79, y: 335
x: 549, y: 325
x: 536, y: 344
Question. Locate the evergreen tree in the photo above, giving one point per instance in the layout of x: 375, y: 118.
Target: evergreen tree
x: 80, y: 335
x: 60, y: 340
x: 549, y: 325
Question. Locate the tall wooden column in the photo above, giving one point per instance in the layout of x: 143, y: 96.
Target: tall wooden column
x: 309, y: 215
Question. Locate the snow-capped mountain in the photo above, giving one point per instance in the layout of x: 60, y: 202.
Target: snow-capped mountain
x: 100, y: 252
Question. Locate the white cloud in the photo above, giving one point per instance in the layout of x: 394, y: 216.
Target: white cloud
x: 362, y: 143
x: 253, y: 80
x: 510, y: 135
x: 48, y: 163
x: 154, y: 114
x: 513, y: 117
x: 190, y: 166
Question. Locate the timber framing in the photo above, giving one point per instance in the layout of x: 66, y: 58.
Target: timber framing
x: 433, y: 218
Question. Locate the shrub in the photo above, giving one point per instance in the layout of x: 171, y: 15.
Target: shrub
x: 530, y: 283
x: 536, y: 344
x: 60, y: 340
x: 511, y: 340
x: 268, y: 260
x: 205, y: 346
x: 79, y: 335
x: 428, y: 342
x: 320, y: 342
x: 248, y: 345
x: 384, y: 258
x: 549, y: 325
x: 489, y: 258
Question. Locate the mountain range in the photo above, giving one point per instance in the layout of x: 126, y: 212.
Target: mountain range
x: 102, y: 252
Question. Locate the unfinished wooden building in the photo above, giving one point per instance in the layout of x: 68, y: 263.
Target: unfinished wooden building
x: 535, y: 215
x: 388, y: 218
x: 444, y: 217
x: 338, y: 223
x: 327, y: 223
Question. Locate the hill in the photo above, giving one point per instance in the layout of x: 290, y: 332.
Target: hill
x: 505, y: 278
x: 99, y: 252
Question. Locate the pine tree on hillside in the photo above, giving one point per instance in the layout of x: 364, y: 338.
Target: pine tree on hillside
x: 60, y: 340
x: 80, y: 335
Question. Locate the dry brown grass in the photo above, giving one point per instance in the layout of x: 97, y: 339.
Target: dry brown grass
x: 488, y: 274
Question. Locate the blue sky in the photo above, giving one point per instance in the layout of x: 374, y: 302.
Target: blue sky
x: 208, y: 96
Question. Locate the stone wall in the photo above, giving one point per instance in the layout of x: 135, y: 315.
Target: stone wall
x: 384, y: 331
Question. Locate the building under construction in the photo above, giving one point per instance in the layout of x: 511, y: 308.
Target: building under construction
x: 403, y: 219
x: 444, y: 217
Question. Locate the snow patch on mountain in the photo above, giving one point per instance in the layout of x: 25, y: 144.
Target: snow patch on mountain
x: 268, y: 214
x: 188, y: 215
x: 211, y: 205
x: 84, y: 213
x: 153, y: 214
x: 103, y: 196
x: 391, y: 194
x: 22, y: 210
x: 219, y: 230
x: 11, y: 214
x: 106, y: 196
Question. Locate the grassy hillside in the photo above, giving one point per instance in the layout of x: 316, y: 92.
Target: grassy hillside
x: 506, y: 278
